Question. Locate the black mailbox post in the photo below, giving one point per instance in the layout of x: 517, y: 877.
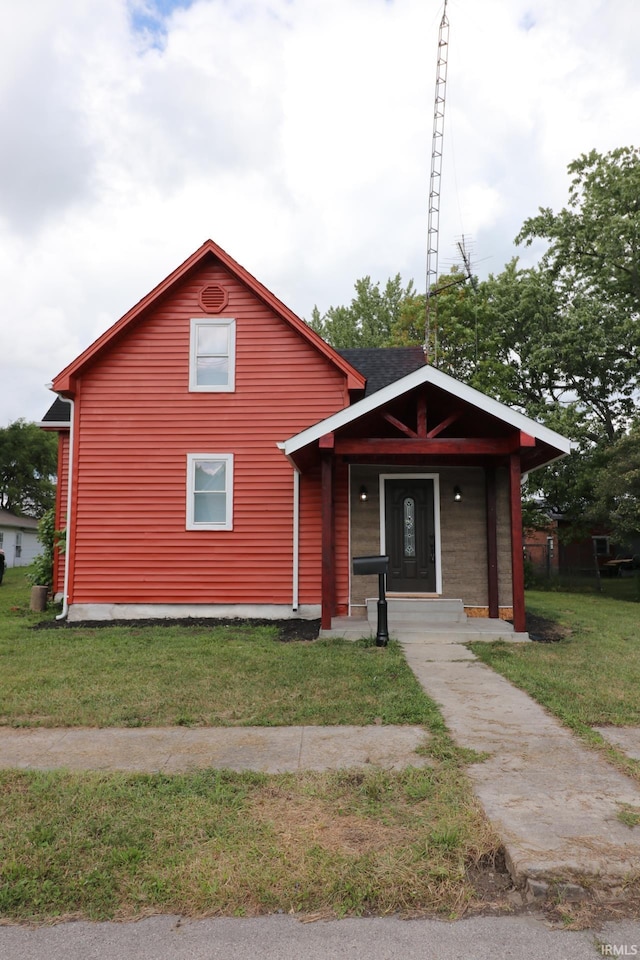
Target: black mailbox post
x: 379, y: 565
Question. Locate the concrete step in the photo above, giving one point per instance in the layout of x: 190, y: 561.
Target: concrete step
x: 470, y: 631
x: 418, y: 610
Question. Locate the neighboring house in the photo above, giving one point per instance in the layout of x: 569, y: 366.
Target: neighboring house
x: 551, y: 550
x: 218, y: 458
x: 18, y: 539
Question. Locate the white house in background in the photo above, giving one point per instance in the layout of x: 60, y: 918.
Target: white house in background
x: 18, y: 539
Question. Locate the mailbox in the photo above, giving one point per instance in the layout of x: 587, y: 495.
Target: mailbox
x: 363, y: 565
x: 379, y: 565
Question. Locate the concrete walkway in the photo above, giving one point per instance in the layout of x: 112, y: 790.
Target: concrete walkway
x: 553, y: 801
x: 180, y: 749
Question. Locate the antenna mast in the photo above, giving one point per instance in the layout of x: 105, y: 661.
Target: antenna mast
x: 433, y: 224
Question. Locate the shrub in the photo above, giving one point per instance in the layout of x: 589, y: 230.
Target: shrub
x: 42, y: 567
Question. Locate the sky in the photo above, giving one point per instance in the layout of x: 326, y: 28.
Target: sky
x: 294, y: 133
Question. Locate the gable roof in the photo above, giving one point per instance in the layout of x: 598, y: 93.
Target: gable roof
x: 430, y: 375
x: 64, y: 382
x: 383, y: 365
x: 8, y: 519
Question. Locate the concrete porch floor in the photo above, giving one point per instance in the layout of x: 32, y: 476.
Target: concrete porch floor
x: 469, y: 630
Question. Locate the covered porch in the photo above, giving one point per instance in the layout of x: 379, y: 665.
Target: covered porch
x: 427, y: 471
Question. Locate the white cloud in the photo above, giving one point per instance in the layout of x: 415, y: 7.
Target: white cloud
x: 296, y: 135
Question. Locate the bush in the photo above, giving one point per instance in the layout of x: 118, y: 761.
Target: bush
x: 42, y: 567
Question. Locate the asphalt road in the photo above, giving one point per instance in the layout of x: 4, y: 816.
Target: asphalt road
x: 286, y: 938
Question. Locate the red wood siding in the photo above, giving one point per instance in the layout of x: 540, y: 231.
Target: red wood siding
x: 61, y: 507
x: 136, y: 423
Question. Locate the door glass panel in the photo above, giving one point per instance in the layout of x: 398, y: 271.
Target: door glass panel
x: 409, y: 527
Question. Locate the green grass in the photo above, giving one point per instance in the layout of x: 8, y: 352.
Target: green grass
x: 590, y: 678
x: 210, y: 676
x: 120, y: 846
x: 618, y: 588
x: 217, y: 843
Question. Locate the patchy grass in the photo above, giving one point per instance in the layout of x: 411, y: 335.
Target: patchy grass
x: 629, y: 815
x: 216, y: 843
x: 219, y: 843
x: 589, y: 678
x: 196, y: 675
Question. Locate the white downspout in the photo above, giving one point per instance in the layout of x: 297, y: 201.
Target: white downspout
x: 296, y: 539
x: 67, y: 552
x: 295, y: 572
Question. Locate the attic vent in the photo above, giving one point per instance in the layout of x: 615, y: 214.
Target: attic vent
x: 213, y: 298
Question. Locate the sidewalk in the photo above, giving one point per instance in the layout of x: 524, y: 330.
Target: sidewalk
x: 553, y: 801
x: 181, y: 749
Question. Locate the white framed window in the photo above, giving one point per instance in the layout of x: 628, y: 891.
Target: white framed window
x: 209, y: 491
x: 212, y: 355
x: 18, y: 545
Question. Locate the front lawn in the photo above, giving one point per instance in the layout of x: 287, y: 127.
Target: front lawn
x: 589, y: 678
x: 197, y: 675
x: 217, y: 843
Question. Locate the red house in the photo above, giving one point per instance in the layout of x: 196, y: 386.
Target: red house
x: 218, y: 458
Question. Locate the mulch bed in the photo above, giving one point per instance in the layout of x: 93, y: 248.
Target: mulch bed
x: 538, y: 628
x: 288, y: 630
x: 545, y: 631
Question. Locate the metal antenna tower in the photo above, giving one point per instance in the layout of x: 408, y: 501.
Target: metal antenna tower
x: 433, y: 224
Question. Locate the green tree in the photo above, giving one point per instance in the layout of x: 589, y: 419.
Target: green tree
x: 617, y: 487
x: 368, y: 320
x: 28, y: 464
x: 593, y: 261
x: 559, y: 341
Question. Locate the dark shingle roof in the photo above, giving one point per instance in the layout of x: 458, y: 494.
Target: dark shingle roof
x: 384, y: 365
x: 58, y: 412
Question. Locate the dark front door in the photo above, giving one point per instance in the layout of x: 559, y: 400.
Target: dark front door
x: 410, y: 536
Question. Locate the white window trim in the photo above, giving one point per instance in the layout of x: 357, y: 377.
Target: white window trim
x: 194, y: 386
x: 192, y: 458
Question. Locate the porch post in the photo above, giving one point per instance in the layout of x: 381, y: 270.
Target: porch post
x: 328, y: 539
x: 492, y: 541
x: 517, y: 563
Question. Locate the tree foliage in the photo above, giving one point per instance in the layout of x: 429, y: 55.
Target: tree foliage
x: 559, y: 341
x: 617, y: 487
x: 28, y: 464
x: 369, y: 319
x: 593, y: 262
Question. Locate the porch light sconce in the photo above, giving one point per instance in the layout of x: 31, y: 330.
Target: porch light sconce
x: 364, y: 495
x: 457, y: 494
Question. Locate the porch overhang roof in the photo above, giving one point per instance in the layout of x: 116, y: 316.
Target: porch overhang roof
x: 551, y: 445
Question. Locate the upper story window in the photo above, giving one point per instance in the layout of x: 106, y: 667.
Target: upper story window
x: 213, y: 355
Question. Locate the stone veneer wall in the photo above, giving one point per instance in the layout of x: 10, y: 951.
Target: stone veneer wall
x: 463, y: 536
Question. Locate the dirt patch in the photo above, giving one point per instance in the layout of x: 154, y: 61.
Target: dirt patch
x: 492, y: 885
x: 289, y: 631
x: 301, y: 823
x: 545, y: 631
